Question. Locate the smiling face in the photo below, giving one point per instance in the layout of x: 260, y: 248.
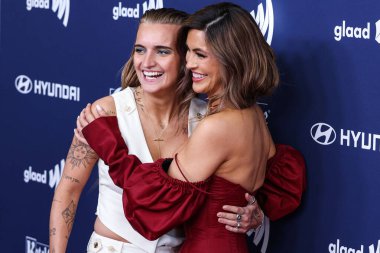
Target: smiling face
x: 204, y: 66
x: 155, y: 57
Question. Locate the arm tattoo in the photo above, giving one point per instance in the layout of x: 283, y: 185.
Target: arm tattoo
x: 72, y: 179
x: 68, y: 215
x: 80, y: 154
x: 56, y: 200
x: 52, y: 231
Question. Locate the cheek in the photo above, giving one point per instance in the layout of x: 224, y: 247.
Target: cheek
x: 173, y: 66
x: 136, y: 62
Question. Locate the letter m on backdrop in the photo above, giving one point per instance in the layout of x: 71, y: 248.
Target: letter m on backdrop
x: 372, y: 248
x: 63, y: 8
x: 265, y: 20
x: 153, y: 4
x: 56, y: 174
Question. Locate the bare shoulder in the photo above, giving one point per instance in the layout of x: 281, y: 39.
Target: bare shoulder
x: 214, y: 128
x: 107, y: 103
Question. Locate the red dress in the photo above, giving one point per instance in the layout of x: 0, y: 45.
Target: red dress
x: 154, y: 203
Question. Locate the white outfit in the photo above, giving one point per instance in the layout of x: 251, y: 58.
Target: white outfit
x: 110, y: 207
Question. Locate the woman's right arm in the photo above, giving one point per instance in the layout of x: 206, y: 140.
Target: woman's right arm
x: 78, y: 166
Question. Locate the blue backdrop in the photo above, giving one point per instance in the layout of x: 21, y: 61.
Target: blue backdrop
x: 58, y: 55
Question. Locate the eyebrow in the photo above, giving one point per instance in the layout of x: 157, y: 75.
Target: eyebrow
x: 196, y: 49
x: 156, y: 47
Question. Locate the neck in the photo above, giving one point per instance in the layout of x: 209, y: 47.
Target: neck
x: 161, y: 108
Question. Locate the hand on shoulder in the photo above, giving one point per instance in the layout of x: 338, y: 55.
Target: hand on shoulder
x: 100, y: 108
x: 105, y: 105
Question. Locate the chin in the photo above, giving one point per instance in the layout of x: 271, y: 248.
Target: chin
x: 198, y: 88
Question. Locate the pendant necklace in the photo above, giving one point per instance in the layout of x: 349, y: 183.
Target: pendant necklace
x: 158, y: 136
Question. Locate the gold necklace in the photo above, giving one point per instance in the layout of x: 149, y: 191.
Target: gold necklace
x: 158, y: 139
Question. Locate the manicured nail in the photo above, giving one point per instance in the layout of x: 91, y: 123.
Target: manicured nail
x: 98, y: 108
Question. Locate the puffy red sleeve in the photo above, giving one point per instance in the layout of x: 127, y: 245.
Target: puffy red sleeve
x: 153, y: 202
x: 285, y: 182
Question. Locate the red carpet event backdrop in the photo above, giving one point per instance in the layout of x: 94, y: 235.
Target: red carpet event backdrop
x: 58, y: 55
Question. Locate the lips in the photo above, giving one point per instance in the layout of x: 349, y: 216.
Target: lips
x: 152, y: 75
x: 197, y: 77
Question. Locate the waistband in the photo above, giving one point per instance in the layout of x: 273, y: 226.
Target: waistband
x: 101, y: 244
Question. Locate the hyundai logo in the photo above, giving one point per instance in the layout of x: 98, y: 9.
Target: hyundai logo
x: 323, y: 133
x: 23, y: 84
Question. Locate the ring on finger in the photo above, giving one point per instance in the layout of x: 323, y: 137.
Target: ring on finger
x: 252, y: 201
x: 238, y: 217
x: 238, y: 224
x: 257, y: 214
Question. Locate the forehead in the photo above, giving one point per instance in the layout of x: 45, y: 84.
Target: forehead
x: 196, y: 39
x: 157, y: 34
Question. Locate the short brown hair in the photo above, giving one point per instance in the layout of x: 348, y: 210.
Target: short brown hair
x: 248, y: 63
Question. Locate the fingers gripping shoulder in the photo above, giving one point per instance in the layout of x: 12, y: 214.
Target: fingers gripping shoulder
x: 105, y: 103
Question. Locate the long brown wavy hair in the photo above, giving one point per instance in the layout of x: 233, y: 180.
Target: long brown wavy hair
x: 248, y: 63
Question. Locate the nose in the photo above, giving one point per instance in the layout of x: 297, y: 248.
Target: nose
x: 149, y: 60
x: 190, y: 62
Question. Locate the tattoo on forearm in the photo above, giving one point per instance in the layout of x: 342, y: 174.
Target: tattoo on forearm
x: 52, y: 231
x: 80, y: 154
x: 68, y: 215
x: 73, y: 180
x: 56, y: 200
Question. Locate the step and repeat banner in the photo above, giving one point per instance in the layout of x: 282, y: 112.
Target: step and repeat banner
x: 58, y: 55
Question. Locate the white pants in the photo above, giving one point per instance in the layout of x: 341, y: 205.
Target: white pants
x: 101, y: 244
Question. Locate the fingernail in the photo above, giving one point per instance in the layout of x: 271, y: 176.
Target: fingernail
x: 98, y: 108
x: 218, y: 214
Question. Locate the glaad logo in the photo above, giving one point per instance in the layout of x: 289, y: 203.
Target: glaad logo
x: 33, y: 246
x: 134, y: 12
x: 323, y: 133
x: 62, y: 7
x: 377, y: 37
x: 338, y: 248
x: 352, y: 32
x: 54, y: 175
x: 265, y: 22
x: 25, y: 85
